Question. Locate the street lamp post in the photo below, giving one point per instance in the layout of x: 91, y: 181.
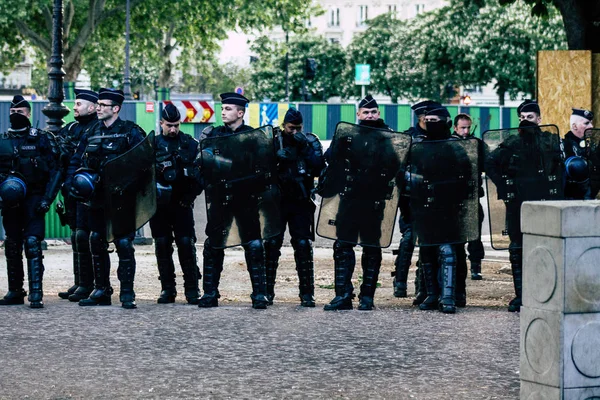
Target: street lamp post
x: 126, y: 77
x: 55, y: 110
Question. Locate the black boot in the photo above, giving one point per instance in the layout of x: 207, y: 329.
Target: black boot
x: 163, y: 248
x: 86, y: 277
x: 303, y: 255
x: 186, y: 250
x: 402, y: 262
x: 447, y: 262
x: 431, y: 285
x: 371, y: 263
x: 101, y: 295
x: 14, y: 268
x: 420, y: 288
x: 517, y: 272
x: 344, y: 260
x: 213, y: 266
x: 72, y: 289
x: 272, y: 254
x: 460, y: 294
x: 35, y: 269
x: 255, y: 260
x: 126, y: 272
x: 476, y: 270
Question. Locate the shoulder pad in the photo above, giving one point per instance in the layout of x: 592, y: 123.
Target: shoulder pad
x: 208, y: 130
x: 311, y: 137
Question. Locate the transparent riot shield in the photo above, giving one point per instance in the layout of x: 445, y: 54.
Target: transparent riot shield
x: 444, y: 180
x: 592, y: 140
x: 359, y: 191
x: 130, y: 189
x: 242, y: 196
x: 521, y: 164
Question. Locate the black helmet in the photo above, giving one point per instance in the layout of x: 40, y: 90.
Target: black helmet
x: 577, y: 169
x: 13, y: 191
x: 84, y: 184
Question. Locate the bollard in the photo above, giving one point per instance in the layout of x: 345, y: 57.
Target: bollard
x: 560, y: 317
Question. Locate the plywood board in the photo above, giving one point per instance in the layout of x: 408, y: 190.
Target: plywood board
x: 564, y: 81
x: 596, y: 88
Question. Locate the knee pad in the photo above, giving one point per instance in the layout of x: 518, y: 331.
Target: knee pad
x: 13, y: 248
x: 82, y: 241
x: 274, y: 243
x: 33, y: 247
x: 124, y: 247
x: 302, y: 245
x: 98, y: 243
x: 185, y: 241
x: 342, y: 247
x: 407, y: 235
x: 254, y: 245
x: 163, y: 246
x: 447, y: 254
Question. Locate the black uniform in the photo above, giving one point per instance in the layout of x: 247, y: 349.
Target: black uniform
x: 99, y: 146
x: 34, y: 154
x: 407, y: 246
x: 254, y: 249
x: 298, y: 165
x: 345, y: 258
x: 76, y: 214
x: 174, y: 218
x: 577, y: 186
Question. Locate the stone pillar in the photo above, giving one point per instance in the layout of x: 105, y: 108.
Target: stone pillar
x: 560, y: 317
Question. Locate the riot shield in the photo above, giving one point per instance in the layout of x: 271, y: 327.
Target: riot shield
x: 592, y: 140
x: 130, y: 189
x: 521, y: 164
x: 242, y: 196
x: 444, y: 180
x: 359, y: 191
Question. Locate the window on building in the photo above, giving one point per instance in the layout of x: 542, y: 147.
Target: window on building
x: 392, y: 9
x: 363, y: 15
x: 308, y: 23
x: 334, y: 17
x: 419, y: 8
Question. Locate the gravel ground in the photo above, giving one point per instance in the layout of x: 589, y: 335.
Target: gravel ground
x: 179, y: 351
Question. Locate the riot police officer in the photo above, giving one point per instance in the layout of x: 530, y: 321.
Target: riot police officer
x: 178, y: 187
x: 69, y: 137
x: 111, y: 137
x: 368, y: 115
x: 407, y: 247
x: 577, y: 185
x: 31, y: 179
x: 525, y: 166
x: 232, y: 113
x: 300, y: 160
x: 435, y: 194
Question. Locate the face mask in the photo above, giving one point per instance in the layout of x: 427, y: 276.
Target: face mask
x: 437, y: 130
x: 19, y: 121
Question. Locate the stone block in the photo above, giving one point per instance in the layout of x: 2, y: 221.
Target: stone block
x: 561, y: 218
x: 535, y: 391
x: 581, y: 350
x: 543, y: 272
x: 540, y: 345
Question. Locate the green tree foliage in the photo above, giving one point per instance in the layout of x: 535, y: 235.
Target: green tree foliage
x: 458, y: 45
x: 268, y: 72
x: 94, y: 30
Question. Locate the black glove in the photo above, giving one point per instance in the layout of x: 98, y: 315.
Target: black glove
x: 284, y: 154
x: 300, y: 139
x: 43, y: 206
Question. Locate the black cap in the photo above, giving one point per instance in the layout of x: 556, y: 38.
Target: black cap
x: 424, y: 106
x: 84, y: 94
x: 114, y: 95
x: 440, y: 111
x: 293, y: 116
x: 528, y: 106
x: 19, y: 102
x: 368, y: 102
x: 234, y: 98
x: 171, y: 114
x: 583, y: 113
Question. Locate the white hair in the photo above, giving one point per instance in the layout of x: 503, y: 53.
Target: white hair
x: 576, y: 119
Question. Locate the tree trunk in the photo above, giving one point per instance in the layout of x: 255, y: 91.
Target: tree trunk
x: 501, y: 92
x: 581, y: 19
